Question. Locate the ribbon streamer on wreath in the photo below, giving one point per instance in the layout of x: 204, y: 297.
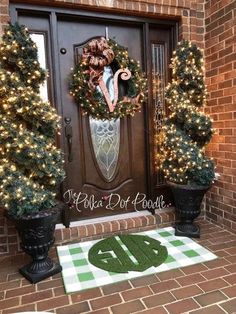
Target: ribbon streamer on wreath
x: 125, y: 75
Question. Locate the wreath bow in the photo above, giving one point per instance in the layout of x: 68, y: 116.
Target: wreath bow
x: 97, y: 55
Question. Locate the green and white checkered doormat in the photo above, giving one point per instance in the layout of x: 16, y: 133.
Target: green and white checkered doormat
x: 78, y: 274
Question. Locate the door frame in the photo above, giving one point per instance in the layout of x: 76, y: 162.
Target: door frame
x: 52, y: 13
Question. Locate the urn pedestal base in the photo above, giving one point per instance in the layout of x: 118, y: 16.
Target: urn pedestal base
x: 187, y: 230
x: 42, y: 271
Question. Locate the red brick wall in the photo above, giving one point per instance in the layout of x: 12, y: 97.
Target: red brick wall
x: 4, y: 17
x: 220, y: 53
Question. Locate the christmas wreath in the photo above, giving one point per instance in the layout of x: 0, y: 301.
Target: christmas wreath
x: 89, y: 89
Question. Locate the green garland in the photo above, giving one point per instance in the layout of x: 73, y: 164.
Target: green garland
x: 93, y: 102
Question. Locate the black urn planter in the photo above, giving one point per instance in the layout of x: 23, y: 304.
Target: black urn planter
x: 188, y: 200
x: 36, y: 232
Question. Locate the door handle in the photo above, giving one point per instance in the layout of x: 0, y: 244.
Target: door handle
x: 69, y: 135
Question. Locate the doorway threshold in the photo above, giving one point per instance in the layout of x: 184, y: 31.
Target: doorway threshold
x: 101, y: 227
x: 90, y: 221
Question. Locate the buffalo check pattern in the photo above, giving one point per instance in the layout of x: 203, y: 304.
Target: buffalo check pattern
x: 78, y: 274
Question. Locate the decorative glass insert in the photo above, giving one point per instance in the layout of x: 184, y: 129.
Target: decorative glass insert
x: 106, y: 134
x: 106, y: 142
x: 39, y: 40
x: 158, y: 79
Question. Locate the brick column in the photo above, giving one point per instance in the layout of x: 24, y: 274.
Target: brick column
x: 4, y: 14
x: 220, y: 55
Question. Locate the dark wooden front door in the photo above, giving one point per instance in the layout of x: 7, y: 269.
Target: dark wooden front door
x: 120, y: 165
x: 103, y: 158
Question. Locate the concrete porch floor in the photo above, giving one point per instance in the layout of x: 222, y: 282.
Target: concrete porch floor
x: 208, y: 288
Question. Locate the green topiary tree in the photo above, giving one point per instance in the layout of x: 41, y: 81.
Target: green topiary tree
x: 31, y: 166
x: 187, y: 130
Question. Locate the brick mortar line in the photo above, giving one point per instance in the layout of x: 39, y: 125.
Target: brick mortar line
x: 203, y: 292
x: 126, y: 224
x: 181, y: 287
x: 204, y: 263
x: 173, y: 296
x: 222, y: 309
x: 229, y: 273
x: 218, y: 9
x: 193, y: 297
x: 145, y: 307
x: 198, y: 302
x: 229, y: 298
x: 22, y: 283
x: 189, y: 24
x: 101, y: 292
x: 227, y: 281
x: 133, y: 220
x: 54, y: 308
x: 121, y: 296
x: 182, y: 275
x: 214, y: 269
x: 90, y: 307
x: 123, y: 302
x: 53, y: 292
x: 176, y: 300
x: 104, y: 308
x: 215, y: 303
x: 156, y: 6
x: 213, y: 21
x: 129, y: 280
x: 166, y: 5
x: 17, y: 297
x: 91, y: 299
x: 220, y: 258
x: 166, y: 310
x: 145, y: 284
x: 16, y: 307
x: 110, y: 311
x: 228, y: 260
x: 56, y: 296
x: 190, y: 283
x: 70, y: 300
x: 207, y: 306
x: 16, y: 288
x: 158, y: 294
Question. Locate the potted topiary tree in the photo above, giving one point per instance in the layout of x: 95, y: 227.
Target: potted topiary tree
x: 31, y: 166
x: 187, y: 130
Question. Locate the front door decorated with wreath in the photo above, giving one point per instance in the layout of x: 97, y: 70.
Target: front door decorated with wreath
x: 106, y: 77
x: 106, y: 157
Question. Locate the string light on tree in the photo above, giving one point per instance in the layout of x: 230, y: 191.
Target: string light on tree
x: 30, y: 164
x: 187, y: 130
